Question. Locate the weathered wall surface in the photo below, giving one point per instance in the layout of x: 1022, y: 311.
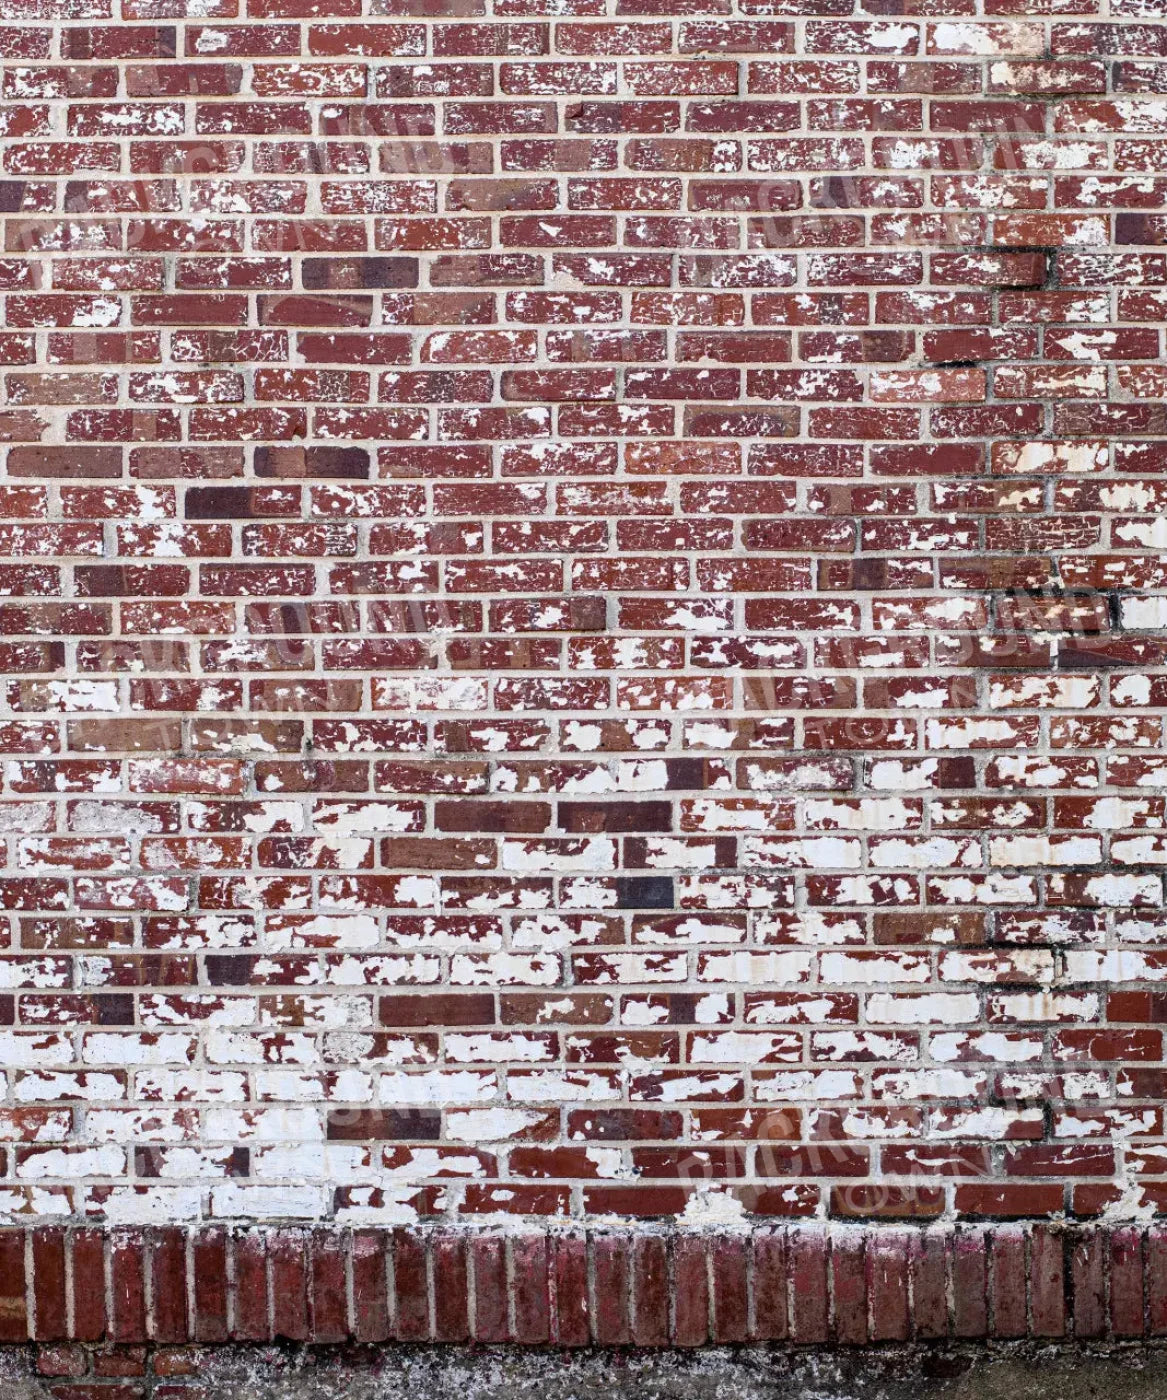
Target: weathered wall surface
x: 584, y: 611
x: 506, y: 1374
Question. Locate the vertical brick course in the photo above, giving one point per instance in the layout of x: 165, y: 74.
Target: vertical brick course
x: 792, y: 1285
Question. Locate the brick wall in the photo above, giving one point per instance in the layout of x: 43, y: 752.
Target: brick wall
x: 584, y: 611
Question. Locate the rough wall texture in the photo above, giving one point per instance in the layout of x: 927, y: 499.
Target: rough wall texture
x: 795, y: 1286
x: 581, y: 609
x: 1011, y: 1372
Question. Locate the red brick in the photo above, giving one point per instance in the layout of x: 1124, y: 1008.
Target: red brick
x: 50, y: 1295
x: 289, y: 1266
x: 650, y: 1287
x: 849, y: 1288
x: 491, y: 1310
x: 411, y: 1301
x: 770, y: 1283
x: 690, y: 1291
x: 1126, y: 1282
x: 13, y: 1305
x: 168, y: 1286
x: 71, y: 1361
x: 1047, y: 1283
x: 611, y: 1269
x: 571, y: 1311
x: 731, y: 1322
x: 209, y: 1275
x: 451, y: 1288
x: 1156, y: 1266
x: 125, y: 1391
x: 928, y: 1264
x: 127, y: 1287
x: 807, y: 1255
x: 251, y: 1300
x: 370, y: 1290
x: 120, y: 1361
x: 887, y: 1287
x: 530, y: 1289
x: 1088, y: 1276
x: 1007, y: 1274
x: 87, y: 1248
x: 328, y: 1298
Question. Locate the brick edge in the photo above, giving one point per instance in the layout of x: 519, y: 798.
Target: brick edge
x: 802, y: 1285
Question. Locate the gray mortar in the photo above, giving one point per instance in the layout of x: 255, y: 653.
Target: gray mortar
x: 1021, y: 1372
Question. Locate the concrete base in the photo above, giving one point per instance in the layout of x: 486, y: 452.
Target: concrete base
x: 988, y: 1372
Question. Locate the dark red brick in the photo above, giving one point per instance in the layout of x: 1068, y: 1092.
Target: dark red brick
x: 370, y: 1289
x: 210, y: 1284
x: 807, y: 1255
x: 168, y: 1286
x: 251, y: 1302
x: 411, y: 1298
x: 50, y: 1293
x: 127, y: 1286
x: 491, y: 1308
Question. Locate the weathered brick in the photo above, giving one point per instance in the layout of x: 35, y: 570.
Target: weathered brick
x: 448, y: 775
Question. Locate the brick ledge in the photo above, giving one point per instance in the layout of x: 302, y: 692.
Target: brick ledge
x: 797, y: 1284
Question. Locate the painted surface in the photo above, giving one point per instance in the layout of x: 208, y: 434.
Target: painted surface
x: 583, y: 610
